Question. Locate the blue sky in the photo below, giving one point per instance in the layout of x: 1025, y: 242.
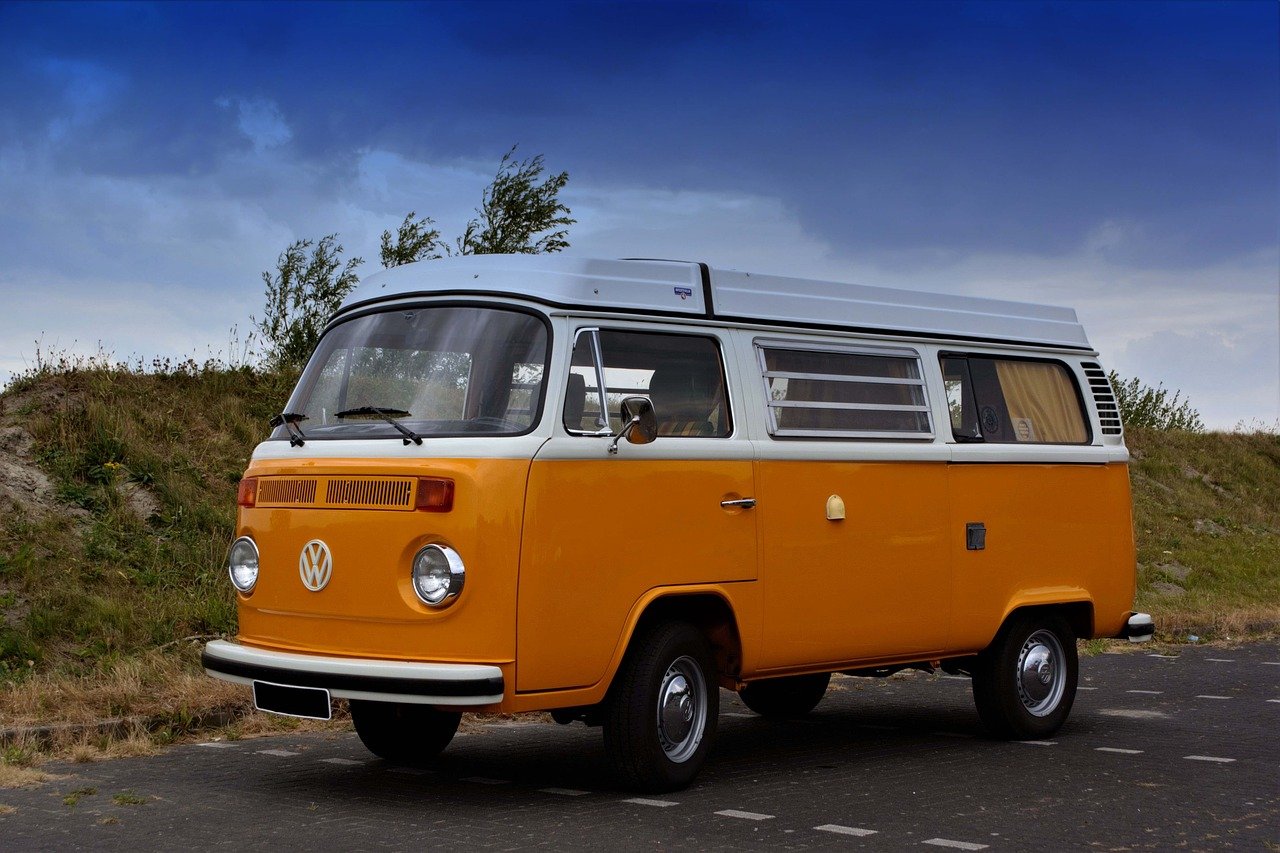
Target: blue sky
x: 1119, y: 158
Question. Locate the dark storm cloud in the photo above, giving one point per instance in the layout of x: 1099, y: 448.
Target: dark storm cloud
x: 957, y: 127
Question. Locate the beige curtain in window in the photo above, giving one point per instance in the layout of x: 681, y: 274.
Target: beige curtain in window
x: 1042, y: 402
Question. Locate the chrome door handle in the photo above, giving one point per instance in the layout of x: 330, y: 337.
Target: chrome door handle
x: 745, y: 503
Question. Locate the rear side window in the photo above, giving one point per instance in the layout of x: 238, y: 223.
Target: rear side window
x: 1013, y: 401
x: 844, y: 393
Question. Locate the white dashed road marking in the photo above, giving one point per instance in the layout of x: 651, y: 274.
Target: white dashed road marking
x: 1163, y: 657
x: 217, y: 744
x: 485, y: 780
x: 1207, y: 696
x: 564, y: 792
x: 845, y: 830
x: 1133, y: 713
x: 1118, y: 750
x: 1146, y: 692
x: 1273, y: 700
x: 280, y: 753
x: 1209, y: 758
x: 1221, y: 660
x: 745, y: 815
x: 955, y: 845
x: 345, y: 762
x: 736, y: 714
x: 1038, y: 742
x: 1086, y: 688
x: 661, y: 804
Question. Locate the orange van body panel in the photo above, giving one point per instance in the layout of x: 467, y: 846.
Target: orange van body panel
x: 875, y: 584
x: 368, y: 608
x: 564, y: 556
x: 600, y: 534
x: 1055, y: 534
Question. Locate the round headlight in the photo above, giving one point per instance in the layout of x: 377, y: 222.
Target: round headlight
x: 242, y: 564
x: 438, y: 574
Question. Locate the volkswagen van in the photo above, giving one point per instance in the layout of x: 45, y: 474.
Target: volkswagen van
x: 611, y: 489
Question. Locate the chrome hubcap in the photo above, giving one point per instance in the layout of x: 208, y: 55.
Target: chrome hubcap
x: 682, y: 709
x: 1041, y: 676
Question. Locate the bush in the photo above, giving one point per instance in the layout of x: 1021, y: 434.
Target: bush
x: 1152, y: 408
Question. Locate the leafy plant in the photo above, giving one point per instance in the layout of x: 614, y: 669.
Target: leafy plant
x: 1150, y: 407
x: 302, y: 294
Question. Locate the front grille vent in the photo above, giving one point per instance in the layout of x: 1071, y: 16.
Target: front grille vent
x: 370, y: 493
x: 1104, y: 396
x: 278, y: 490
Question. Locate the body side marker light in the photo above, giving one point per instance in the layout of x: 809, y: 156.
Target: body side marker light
x: 435, y: 494
x: 247, y: 495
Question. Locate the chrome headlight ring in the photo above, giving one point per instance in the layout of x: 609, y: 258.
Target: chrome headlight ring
x: 438, y: 575
x: 242, y: 564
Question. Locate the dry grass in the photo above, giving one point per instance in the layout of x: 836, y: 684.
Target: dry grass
x: 12, y: 776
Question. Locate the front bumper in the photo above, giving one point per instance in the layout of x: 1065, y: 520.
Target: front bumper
x: 1139, y: 628
x: 452, y: 684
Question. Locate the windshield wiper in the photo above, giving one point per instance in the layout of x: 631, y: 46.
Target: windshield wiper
x: 388, y: 415
x: 290, y: 422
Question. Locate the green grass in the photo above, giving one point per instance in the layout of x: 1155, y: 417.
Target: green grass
x: 149, y: 462
x: 1207, y: 521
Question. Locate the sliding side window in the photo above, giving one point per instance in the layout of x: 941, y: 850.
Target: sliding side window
x: 682, y: 375
x: 837, y: 392
x: 1013, y: 401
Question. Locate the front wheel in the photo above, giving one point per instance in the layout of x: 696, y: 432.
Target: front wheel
x: 1024, y: 683
x: 662, y: 711
x: 403, y: 733
x: 793, y: 696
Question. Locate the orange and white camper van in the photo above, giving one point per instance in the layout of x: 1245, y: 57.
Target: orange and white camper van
x: 610, y: 489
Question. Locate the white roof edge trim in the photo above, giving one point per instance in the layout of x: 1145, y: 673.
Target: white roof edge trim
x: 675, y: 289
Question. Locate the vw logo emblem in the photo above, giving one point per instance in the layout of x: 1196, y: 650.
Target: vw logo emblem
x: 315, y: 565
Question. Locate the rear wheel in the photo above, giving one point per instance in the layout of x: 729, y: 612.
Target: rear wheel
x: 401, y: 732
x: 793, y: 696
x: 662, y: 711
x: 1024, y: 683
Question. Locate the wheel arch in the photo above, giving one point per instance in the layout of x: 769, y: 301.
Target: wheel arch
x: 706, y: 608
x: 1077, y: 612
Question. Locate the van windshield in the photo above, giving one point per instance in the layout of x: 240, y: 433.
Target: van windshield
x: 443, y: 371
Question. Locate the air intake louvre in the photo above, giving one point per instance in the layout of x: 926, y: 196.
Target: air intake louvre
x: 1104, y: 396
x: 370, y: 492
x: 394, y: 493
x: 277, y: 490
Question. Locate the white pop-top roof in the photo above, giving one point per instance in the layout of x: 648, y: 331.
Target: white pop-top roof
x: 684, y: 288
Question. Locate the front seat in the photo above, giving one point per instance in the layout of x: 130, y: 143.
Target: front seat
x: 685, y: 399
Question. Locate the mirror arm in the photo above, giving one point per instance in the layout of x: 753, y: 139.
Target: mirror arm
x: 622, y: 433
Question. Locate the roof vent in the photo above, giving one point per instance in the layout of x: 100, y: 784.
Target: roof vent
x: 1105, y: 398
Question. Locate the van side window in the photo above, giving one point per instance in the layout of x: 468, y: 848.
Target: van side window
x: 1012, y: 401
x: 844, y: 393
x: 682, y: 375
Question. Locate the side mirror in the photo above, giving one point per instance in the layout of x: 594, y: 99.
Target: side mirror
x: 639, y: 423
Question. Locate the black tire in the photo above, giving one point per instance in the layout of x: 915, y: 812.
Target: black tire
x: 1024, y: 683
x: 671, y: 665
x: 793, y: 696
x: 403, y: 733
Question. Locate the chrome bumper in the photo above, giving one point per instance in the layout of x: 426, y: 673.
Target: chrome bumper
x: 1139, y: 628
x: 452, y: 684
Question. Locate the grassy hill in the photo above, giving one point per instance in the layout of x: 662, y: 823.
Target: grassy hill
x: 117, y: 492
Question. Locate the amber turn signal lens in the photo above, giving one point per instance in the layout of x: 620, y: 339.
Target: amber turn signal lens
x: 434, y: 494
x: 248, y: 494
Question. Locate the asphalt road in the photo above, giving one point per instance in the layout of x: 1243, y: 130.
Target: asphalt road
x: 1159, y: 753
